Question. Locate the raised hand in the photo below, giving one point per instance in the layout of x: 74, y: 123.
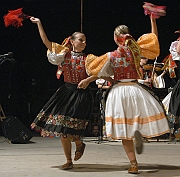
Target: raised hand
x: 35, y: 20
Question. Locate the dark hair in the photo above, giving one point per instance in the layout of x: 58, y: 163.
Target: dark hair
x: 73, y: 36
x: 96, y: 125
x: 67, y: 42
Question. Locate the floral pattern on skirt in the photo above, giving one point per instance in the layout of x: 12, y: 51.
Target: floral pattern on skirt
x: 67, y: 113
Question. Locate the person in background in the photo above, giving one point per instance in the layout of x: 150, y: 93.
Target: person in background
x: 95, y: 130
x: 103, y: 86
x: 67, y: 113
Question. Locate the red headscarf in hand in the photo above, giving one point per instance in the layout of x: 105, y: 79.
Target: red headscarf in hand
x: 154, y: 10
x: 15, y: 18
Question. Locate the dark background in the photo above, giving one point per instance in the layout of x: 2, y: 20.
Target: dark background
x: 27, y: 84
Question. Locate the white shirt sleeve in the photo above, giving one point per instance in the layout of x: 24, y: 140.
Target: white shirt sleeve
x: 100, y: 81
x: 141, y: 81
x: 106, y: 69
x: 174, y: 54
x: 56, y: 59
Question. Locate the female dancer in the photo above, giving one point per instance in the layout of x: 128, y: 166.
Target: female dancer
x: 172, y: 100
x: 131, y: 110
x: 67, y: 113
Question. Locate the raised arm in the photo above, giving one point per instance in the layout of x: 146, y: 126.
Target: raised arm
x: 42, y: 33
x: 153, y: 26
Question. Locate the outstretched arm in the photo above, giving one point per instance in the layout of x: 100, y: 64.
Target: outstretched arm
x: 85, y: 82
x: 153, y: 25
x: 42, y: 33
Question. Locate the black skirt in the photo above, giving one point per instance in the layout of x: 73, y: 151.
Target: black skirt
x: 67, y: 112
x: 174, y: 105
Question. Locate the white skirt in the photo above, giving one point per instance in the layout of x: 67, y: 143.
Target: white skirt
x: 166, y: 102
x: 130, y: 107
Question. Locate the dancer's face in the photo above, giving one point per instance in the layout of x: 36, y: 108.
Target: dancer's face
x: 79, y: 43
x: 120, y: 39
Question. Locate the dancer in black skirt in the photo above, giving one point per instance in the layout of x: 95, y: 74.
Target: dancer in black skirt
x: 67, y: 113
x: 174, y: 96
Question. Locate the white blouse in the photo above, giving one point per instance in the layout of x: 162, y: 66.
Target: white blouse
x: 56, y: 59
x: 175, y: 55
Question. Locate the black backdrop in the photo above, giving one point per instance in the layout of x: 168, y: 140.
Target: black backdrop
x: 26, y: 85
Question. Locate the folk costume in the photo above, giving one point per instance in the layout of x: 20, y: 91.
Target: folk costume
x: 172, y: 101
x: 129, y: 105
x: 68, y: 111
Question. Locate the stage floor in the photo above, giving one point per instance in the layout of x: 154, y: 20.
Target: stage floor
x: 42, y: 157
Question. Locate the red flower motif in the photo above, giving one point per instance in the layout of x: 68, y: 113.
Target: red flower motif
x: 121, y: 62
x: 51, y: 136
x: 78, y: 61
x: 66, y: 61
x: 122, y: 50
x: 128, y: 59
x: 78, y: 67
x: 172, y: 75
x: 118, y: 70
x: 113, y: 54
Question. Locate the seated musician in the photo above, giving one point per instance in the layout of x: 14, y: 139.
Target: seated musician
x: 146, y: 79
x: 152, y: 74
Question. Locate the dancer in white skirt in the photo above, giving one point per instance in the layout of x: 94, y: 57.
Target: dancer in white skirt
x: 131, y: 109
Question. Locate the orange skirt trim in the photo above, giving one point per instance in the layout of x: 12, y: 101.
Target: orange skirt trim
x: 121, y: 137
x: 139, y: 120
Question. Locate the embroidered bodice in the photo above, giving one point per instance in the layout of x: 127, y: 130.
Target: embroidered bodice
x: 123, y: 64
x: 70, y: 64
x: 73, y: 67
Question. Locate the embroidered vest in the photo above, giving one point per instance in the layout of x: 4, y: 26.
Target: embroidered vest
x: 123, y: 64
x: 73, y: 67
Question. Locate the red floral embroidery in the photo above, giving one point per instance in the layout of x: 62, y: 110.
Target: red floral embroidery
x: 121, y: 62
x: 78, y: 67
x: 66, y: 61
x: 77, y: 61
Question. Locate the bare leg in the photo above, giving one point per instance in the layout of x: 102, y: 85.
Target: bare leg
x: 129, y: 148
x: 78, y: 143
x: 66, y: 144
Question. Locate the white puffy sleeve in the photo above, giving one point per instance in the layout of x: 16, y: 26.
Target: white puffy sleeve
x: 174, y: 54
x: 56, y: 56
